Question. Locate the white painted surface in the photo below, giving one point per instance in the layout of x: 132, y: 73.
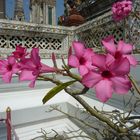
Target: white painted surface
x: 60, y: 126
x: 27, y: 99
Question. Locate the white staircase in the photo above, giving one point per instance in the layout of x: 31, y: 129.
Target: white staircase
x: 61, y: 126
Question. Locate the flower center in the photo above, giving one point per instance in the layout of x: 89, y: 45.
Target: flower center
x: 21, y: 54
x: 9, y: 67
x: 82, y: 61
x: 118, y: 54
x: 106, y: 74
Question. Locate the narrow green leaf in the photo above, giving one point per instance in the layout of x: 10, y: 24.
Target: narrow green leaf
x: 56, y: 90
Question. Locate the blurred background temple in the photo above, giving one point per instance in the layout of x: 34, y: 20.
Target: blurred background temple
x: 85, y: 10
x: 40, y: 11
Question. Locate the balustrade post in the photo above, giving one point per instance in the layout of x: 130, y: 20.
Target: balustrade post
x: 8, y: 123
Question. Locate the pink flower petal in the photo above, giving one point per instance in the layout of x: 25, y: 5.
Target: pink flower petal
x: 3, y: 63
x: 26, y: 75
x: 35, y: 56
x: 91, y: 79
x: 79, y: 49
x: 73, y: 61
x: 7, y: 77
x: 46, y: 69
x: 27, y: 64
x: 3, y: 66
x: 20, y: 52
x: 99, y: 60
x: 104, y: 90
x: 11, y: 60
x: 20, y: 48
x: 83, y: 70
x: 3, y: 70
x: 89, y: 65
x: 124, y: 48
x: 131, y: 59
x: 109, y: 59
x: 120, y: 67
x: 15, y: 68
x: 121, y: 85
x: 109, y: 45
x: 32, y: 84
x: 88, y: 54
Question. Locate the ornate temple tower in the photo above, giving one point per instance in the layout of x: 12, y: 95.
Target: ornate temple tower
x: 2, y: 9
x: 43, y: 11
x: 19, y: 12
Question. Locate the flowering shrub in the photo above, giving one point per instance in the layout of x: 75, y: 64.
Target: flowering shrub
x: 106, y: 73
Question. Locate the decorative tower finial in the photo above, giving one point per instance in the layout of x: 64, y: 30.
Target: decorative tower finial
x: 19, y: 12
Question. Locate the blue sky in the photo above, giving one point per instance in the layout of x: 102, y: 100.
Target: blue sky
x: 10, y: 4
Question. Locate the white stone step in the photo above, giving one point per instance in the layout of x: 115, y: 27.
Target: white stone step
x: 60, y: 126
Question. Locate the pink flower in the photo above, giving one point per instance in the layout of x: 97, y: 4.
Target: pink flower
x: 120, y: 50
x: 20, y: 52
x: 81, y: 59
x: 32, y: 67
x: 8, y: 68
x: 109, y: 77
x: 121, y: 9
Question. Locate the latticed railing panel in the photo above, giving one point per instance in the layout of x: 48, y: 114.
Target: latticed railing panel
x: 13, y: 41
x: 50, y: 43
x: 48, y: 38
x: 133, y: 32
x: 30, y: 42
x: 47, y: 45
x: 3, y: 41
x: 93, y: 36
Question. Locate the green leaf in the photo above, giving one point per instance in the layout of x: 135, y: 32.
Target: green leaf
x: 56, y: 90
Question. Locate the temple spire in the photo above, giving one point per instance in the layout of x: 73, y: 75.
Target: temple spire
x: 19, y: 12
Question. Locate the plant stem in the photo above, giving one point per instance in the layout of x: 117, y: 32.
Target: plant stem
x: 134, y: 84
x: 99, y: 116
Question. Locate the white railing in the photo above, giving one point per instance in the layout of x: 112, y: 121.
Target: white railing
x: 48, y: 38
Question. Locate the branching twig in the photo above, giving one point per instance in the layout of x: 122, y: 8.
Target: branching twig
x: 134, y: 84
